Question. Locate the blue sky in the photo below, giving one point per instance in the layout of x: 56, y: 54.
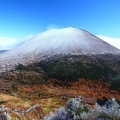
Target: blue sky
x: 22, y: 18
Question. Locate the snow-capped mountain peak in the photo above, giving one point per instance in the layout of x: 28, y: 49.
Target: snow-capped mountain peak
x: 56, y: 42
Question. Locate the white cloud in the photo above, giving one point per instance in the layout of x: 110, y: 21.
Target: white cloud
x: 7, y: 43
x: 113, y: 41
x: 52, y: 26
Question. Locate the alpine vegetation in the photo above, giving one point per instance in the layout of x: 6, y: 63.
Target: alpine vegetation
x: 76, y: 109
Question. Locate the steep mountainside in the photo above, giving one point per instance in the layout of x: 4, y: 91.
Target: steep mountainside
x: 55, y: 42
x: 93, y: 67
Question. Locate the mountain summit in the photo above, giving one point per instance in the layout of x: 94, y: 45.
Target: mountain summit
x: 67, y: 41
x: 57, y: 42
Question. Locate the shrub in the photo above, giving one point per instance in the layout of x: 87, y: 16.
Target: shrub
x: 76, y: 110
x: 61, y: 114
x: 3, y: 117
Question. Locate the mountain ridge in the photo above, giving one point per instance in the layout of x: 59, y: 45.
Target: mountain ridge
x: 57, y: 42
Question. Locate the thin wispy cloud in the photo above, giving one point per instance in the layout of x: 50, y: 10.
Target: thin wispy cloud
x: 52, y: 26
x: 113, y: 41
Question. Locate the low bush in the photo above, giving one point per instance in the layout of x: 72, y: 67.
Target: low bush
x: 76, y: 109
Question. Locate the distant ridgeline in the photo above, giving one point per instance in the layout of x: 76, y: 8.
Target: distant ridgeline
x: 1, y: 51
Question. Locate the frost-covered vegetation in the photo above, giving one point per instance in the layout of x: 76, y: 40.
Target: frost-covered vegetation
x: 74, y: 67
x: 76, y: 109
